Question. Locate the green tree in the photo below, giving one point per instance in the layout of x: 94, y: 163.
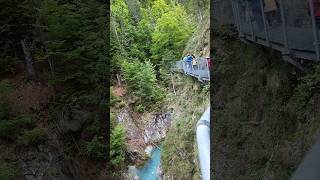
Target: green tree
x: 171, y: 34
x: 141, y: 81
x: 143, y: 33
x: 117, y: 139
x: 121, y: 26
x: 121, y: 30
x: 159, y: 7
x: 96, y: 149
x: 7, y: 171
x: 74, y: 46
x: 18, y: 30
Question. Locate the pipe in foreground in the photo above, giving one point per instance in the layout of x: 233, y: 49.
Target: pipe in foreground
x: 203, y: 141
x: 309, y: 168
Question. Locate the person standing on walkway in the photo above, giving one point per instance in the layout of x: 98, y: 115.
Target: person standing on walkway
x: 194, y: 62
x: 189, y: 60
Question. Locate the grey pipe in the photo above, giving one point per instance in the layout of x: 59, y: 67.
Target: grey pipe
x: 203, y: 141
x: 309, y: 168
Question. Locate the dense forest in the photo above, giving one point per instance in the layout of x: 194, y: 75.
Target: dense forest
x: 53, y: 71
x: 147, y: 37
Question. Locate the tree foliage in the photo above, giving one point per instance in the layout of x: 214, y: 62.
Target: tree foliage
x: 7, y: 171
x: 75, y: 44
x: 117, y: 139
x: 160, y: 34
x: 67, y: 42
x: 171, y: 34
x: 18, y: 22
x: 141, y: 81
x: 96, y: 149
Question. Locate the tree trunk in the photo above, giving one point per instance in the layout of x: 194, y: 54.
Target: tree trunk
x: 28, y: 60
x: 118, y: 79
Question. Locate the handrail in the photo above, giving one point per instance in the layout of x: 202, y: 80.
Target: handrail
x: 281, y: 31
x: 200, y: 70
x: 203, y: 141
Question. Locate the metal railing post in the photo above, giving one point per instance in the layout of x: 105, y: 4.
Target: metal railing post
x: 192, y: 68
x: 284, y: 29
x: 199, y: 77
x: 241, y: 35
x: 235, y: 17
x: 315, y: 29
x: 250, y: 18
x: 266, y: 31
x: 208, y: 70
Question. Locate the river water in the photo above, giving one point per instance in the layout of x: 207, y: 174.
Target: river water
x: 149, y: 170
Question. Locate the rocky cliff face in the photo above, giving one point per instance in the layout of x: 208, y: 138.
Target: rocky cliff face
x: 143, y: 130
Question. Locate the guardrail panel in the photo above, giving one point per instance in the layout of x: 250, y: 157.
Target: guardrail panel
x: 299, y: 25
x: 199, y: 70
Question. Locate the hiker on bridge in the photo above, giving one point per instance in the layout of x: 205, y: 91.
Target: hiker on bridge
x: 194, y: 61
x: 188, y: 60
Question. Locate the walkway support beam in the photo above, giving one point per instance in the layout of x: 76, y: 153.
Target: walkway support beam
x: 203, y: 141
x: 284, y: 29
x: 266, y: 31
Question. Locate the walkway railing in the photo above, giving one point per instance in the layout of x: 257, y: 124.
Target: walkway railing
x: 200, y: 70
x: 287, y: 26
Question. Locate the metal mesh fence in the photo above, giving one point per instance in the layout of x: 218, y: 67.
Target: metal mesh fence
x: 199, y: 69
x: 299, y: 25
x: 290, y: 26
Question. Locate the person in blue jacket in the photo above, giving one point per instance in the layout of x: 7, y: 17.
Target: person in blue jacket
x: 185, y: 62
x: 189, y: 60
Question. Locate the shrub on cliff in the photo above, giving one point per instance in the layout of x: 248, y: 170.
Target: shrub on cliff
x: 7, y: 171
x: 11, y: 128
x: 117, y: 139
x: 34, y: 136
x: 96, y: 149
x: 141, y: 81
